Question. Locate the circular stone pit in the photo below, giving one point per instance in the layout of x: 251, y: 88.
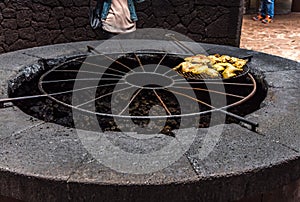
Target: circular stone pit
x: 43, y: 161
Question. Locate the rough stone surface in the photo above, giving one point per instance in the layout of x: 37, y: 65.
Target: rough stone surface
x: 216, y: 22
x: 41, y: 161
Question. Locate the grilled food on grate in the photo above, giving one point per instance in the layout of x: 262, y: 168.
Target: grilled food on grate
x: 198, y: 67
x: 211, y: 67
x: 200, y: 70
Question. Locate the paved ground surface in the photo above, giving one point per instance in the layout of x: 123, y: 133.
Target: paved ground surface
x: 281, y: 38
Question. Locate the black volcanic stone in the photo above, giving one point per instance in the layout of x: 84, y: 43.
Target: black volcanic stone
x: 8, y: 13
x: 51, y: 3
x: 165, y: 4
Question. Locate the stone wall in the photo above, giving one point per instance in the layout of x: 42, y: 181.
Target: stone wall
x: 211, y: 21
x: 30, y: 23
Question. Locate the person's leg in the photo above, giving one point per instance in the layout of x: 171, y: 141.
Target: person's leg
x: 264, y: 8
x: 270, y: 12
x: 270, y: 8
x: 261, y: 12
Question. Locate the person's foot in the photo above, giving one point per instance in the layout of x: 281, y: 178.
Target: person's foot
x: 267, y: 20
x: 258, y: 17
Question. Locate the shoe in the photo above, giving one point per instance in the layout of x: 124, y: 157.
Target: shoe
x: 258, y: 17
x: 267, y: 20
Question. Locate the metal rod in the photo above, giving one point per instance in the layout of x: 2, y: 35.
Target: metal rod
x: 133, y: 97
x: 90, y: 48
x: 97, y: 98
x: 7, y: 100
x: 92, y: 64
x: 89, y: 72
x: 242, y: 119
x: 162, y: 102
x: 213, y: 91
x: 87, y: 79
x: 249, y: 96
x: 139, y: 61
x: 197, y: 100
x: 172, y: 36
x: 170, y: 70
x: 210, y: 82
x: 160, y: 61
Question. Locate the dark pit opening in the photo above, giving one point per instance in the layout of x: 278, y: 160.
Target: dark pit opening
x: 140, y: 78
x: 151, y: 76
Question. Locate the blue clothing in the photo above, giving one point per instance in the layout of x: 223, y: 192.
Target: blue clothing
x: 107, y: 4
x: 267, y: 8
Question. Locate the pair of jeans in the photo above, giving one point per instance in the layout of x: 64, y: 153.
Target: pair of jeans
x: 107, y: 4
x: 267, y: 8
